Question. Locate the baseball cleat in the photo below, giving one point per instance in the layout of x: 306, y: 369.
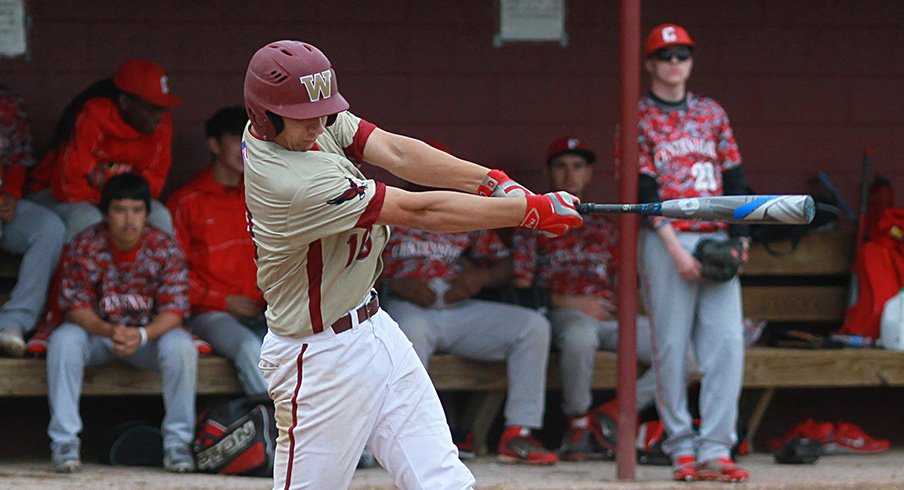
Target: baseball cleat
x: 723, y: 470
x: 684, y: 468
x: 517, y: 445
x: 585, y: 441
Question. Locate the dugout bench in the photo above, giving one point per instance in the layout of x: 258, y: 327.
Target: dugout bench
x: 809, y: 284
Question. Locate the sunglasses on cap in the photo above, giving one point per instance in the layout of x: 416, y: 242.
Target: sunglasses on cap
x: 683, y: 53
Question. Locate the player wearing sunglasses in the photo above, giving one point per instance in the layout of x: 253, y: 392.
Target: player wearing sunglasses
x: 687, y: 149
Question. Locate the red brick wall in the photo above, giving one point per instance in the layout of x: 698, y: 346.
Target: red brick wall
x: 808, y: 84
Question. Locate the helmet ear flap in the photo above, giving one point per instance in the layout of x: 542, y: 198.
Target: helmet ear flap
x: 277, y: 122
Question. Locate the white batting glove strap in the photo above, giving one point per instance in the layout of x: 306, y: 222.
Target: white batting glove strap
x: 498, y: 184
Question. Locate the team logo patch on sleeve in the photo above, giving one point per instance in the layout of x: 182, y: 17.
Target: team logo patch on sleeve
x: 355, y: 189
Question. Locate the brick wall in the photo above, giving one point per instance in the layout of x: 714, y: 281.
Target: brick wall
x: 808, y: 84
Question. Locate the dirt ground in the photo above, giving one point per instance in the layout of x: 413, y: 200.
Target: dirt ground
x: 883, y: 471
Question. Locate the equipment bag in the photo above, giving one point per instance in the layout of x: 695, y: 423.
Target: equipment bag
x: 879, y: 274
x: 237, y: 438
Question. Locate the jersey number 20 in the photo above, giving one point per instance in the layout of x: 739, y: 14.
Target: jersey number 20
x: 704, y: 174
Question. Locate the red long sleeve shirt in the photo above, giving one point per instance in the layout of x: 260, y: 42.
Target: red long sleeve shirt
x: 209, y: 222
x: 104, y: 145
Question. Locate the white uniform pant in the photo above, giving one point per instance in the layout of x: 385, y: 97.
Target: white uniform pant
x: 334, y: 393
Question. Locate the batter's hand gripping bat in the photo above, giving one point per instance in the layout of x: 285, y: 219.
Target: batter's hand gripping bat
x: 761, y: 210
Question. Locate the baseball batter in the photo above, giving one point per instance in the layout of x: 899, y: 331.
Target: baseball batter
x: 340, y: 372
x: 687, y: 149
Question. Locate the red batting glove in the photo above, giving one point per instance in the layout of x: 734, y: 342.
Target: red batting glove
x: 498, y: 184
x: 552, y: 214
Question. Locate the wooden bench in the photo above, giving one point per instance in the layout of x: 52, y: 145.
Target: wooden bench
x: 765, y: 368
x: 808, y: 284
x: 805, y: 286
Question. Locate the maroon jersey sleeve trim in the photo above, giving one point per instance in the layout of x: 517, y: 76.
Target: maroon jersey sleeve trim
x: 355, y: 151
x: 372, y: 211
x: 315, y: 274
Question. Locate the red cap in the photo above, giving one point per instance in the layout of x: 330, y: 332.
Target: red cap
x: 568, y: 144
x: 666, y: 35
x: 147, y: 80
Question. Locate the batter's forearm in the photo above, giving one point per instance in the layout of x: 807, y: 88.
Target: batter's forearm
x: 447, y: 212
x: 420, y: 163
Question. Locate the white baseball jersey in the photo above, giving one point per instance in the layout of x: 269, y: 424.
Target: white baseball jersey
x: 312, y: 217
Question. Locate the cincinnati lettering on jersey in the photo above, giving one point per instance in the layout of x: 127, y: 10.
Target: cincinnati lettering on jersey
x: 355, y: 189
x: 685, y: 146
x: 118, y: 305
x: 585, y: 262
x: 318, y: 85
x: 446, y: 252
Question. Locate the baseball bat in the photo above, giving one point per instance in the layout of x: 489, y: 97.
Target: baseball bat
x: 826, y: 182
x: 761, y: 210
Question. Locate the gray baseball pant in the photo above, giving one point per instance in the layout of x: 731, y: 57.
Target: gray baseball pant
x: 578, y: 336
x: 708, y: 316
x: 230, y: 338
x: 71, y: 348
x: 486, y: 331
x: 37, y: 234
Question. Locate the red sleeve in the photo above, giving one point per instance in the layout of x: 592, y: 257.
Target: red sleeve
x: 372, y: 211
x: 13, y: 180
x: 159, y: 164
x: 76, y: 160
x: 355, y: 151
x: 172, y: 293
x: 201, y: 297
x: 180, y: 222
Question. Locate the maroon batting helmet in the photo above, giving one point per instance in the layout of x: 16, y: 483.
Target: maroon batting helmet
x: 291, y: 79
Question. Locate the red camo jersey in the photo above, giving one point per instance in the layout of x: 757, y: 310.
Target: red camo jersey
x: 687, y: 151
x: 210, y: 224
x: 103, y: 145
x: 15, y: 143
x: 580, y: 262
x: 124, y: 288
x: 412, y: 253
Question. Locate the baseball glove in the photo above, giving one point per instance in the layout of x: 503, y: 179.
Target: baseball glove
x: 721, y: 259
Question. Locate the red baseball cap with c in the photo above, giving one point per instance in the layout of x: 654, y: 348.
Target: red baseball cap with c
x: 665, y: 35
x: 569, y: 144
x: 147, y: 80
